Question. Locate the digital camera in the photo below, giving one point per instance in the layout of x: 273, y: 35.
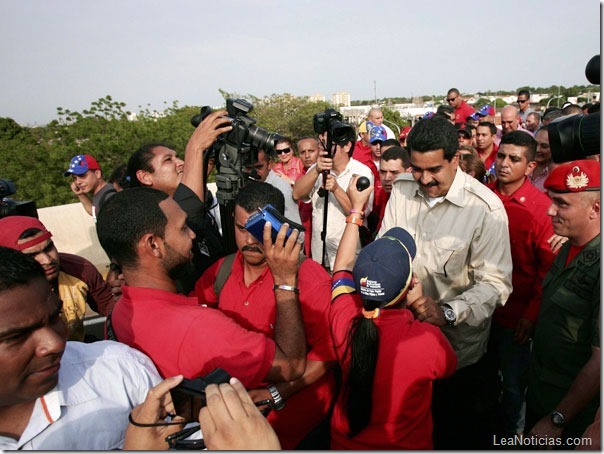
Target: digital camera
x: 255, y: 224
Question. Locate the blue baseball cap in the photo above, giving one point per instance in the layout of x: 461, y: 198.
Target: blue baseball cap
x: 377, y: 133
x: 80, y: 164
x: 383, y: 269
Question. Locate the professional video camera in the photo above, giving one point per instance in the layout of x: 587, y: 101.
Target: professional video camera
x: 577, y: 136
x: 10, y: 207
x: 233, y: 152
x: 338, y: 132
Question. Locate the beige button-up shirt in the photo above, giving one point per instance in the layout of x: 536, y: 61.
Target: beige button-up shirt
x: 463, y: 254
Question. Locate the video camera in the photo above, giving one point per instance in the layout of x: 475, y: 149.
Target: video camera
x: 233, y: 152
x: 577, y: 136
x: 338, y: 132
x: 10, y: 207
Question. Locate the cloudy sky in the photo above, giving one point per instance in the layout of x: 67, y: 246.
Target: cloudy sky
x: 69, y: 53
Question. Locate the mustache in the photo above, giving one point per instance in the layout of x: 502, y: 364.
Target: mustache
x: 251, y: 249
x: 429, y: 185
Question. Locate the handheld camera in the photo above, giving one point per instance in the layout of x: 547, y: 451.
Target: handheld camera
x: 255, y: 224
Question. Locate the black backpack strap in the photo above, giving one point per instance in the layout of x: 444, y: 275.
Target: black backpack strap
x: 109, y: 332
x: 224, y: 271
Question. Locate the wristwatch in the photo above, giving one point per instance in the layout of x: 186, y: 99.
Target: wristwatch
x: 557, y: 418
x: 450, y: 315
x: 278, y: 402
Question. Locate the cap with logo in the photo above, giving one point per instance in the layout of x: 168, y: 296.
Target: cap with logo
x: 574, y: 176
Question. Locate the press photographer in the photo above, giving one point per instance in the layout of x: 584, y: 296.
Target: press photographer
x: 332, y: 173
x: 233, y: 151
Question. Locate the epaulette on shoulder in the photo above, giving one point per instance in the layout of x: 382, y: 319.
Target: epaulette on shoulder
x: 404, y: 177
x: 485, y: 194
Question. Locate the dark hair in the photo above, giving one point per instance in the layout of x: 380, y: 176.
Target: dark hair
x: 126, y: 217
x: 17, y: 269
x: 525, y: 93
x: 572, y: 109
x: 521, y: 139
x: 285, y: 140
x: 256, y: 194
x: 489, y: 125
x: 453, y: 90
x: 119, y: 176
x: 363, y: 346
x: 444, y: 109
x: 434, y: 134
x: 551, y: 113
x: 390, y: 143
x: 141, y: 160
x: 28, y: 233
x: 472, y: 163
x: 397, y: 153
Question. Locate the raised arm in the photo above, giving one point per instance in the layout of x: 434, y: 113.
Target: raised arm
x: 347, y: 248
x: 290, y: 339
x: 202, y: 138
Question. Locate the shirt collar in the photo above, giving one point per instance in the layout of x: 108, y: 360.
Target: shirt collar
x: 456, y: 194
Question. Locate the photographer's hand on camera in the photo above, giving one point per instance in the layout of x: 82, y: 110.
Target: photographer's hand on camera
x: 231, y: 421
x: 155, y: 408
x: 203, y: 137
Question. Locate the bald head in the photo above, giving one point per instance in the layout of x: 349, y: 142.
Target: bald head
x: 509, y: 119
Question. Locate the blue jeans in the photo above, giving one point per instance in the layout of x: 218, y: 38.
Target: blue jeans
x: 513, y: 362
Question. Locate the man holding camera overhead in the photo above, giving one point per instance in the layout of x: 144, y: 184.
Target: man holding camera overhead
x: 332, y: 173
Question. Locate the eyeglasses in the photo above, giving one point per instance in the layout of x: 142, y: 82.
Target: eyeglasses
x: 376, y: 143
x: 284, y: 150
x: 519, y: 101
x: 451, y: 99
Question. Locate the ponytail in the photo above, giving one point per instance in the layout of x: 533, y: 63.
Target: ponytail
x: 363, y: 343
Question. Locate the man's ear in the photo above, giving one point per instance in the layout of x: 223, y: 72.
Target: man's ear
x: 150, y: 245
x: 144, y: 177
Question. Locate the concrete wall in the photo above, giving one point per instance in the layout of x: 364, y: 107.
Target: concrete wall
x: 73, y: 231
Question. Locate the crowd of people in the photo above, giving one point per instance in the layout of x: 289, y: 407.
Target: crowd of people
x: 454, y: 303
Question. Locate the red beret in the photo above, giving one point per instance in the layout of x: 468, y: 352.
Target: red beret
x: 574, y: 176
x: 12, y: 227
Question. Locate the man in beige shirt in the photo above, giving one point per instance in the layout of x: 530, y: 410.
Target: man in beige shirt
x: 464, y: 264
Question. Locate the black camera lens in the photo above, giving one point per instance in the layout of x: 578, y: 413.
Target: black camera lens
x: 574, y: 137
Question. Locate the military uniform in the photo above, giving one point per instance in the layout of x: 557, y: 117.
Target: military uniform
x: 568, y: 326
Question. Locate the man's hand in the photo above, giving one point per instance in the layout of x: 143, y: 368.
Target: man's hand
x: 208, y: 131
x: 358, y: 199
x: 282, y: 257
x: 115, y: 279
x: 425, y: 309
x: 545, y: 429
x: 523, y: 331
x: 556, y: 242
x: 76, y: 190
x: 231, y: 421
x: 324, y: 162
x: 154, y: 409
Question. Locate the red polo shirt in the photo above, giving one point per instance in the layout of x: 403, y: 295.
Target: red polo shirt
x: 411, y: 355
x: 182, y: 337
x: 254, y: 308
x: 530, y: 227
x: 463, y: 112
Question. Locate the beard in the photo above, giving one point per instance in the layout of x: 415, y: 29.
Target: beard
x: 177, y: 265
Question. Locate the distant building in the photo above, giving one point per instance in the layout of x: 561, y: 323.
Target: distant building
x: 318, y: 97
x: 341, y: 99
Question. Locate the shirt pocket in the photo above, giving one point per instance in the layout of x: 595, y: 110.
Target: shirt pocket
x: 451, y: 255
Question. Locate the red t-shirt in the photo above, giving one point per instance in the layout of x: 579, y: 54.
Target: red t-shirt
x: 463, y: 112
x: 361, y: 152
x: 182, y: 337
x: 530, y: 227
x: 254, y: 308
x: 411, y: 355
x: 295, y: 171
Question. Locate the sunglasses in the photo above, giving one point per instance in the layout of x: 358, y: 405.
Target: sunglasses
x: 519, y: 101
x: 284, y: 150
x: 376, y: 143
x: 451, y: 99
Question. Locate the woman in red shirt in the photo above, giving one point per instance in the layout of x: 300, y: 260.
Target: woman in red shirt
x: 388, y: 358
